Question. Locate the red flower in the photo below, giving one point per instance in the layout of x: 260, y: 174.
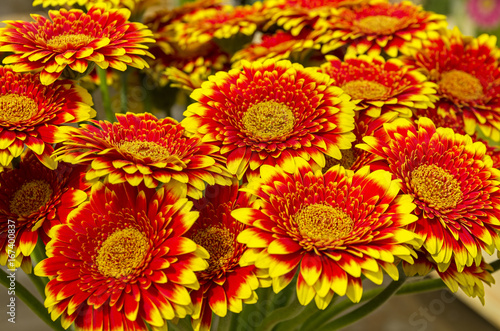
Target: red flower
x: 270, y: 112
x: 454, y: 185
x: 33, y: 199
x: 30, y: 113
x: 224, y: 285
x: 140, y: 148
x: 121, y: 260
x: 330, y: 228
x: 72, y: 39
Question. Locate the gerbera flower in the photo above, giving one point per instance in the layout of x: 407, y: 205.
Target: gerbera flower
x: 471, y: 279
x: 270, y: 112
x: 30, y: 112
x: 184, y: 66
x: 467, y: 72
x: 33, y: 199
x: 447, y: 118
x: 295, y: 15
x: 224, y: 285
x: 219, y: 23
x: 281, y: 45
x: 71, y: 39
x: 373, y: 28
x: 484, y: 13
x: 140, y: 148
x: 329, y: 228
x: 454, y: 185
x: 136, y: 6
x: 378, y: 86
x: 121, y: 260
x: 355, y: 158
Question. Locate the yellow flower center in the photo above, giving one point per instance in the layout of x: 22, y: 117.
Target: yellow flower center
x: 365, y: 89
x: 219, y: 242
x: 323, y: 222
x: 144, y: 149
x: 268, y: 120
x: 30, y: 197
x: 74, y: 40
x: 461, y: 85
x: 379, y: 24
x: 436, y: 186
x: 15, y: 108
x: 122, y: 252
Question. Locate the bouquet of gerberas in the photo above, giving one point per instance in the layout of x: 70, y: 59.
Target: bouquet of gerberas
x: 323, y: 144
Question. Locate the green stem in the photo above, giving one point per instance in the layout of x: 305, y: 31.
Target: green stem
x: 495, y: 265
x: 31, y: 301
x: 323, y: 316
x: 281, y: 314
x: 39, y: 283
x: 106, y: 100
x: 299, y: 319
x: 225, y: 322
x: 38, y: 255
x: 368, y: 307
x: 123, y: 92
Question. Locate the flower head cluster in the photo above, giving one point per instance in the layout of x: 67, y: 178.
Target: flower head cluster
x: 70, y: 40
x: 31, y: 112
x: 270, y: 112
x: 467, y: 73
x: 329, y: 228
x: 454, y: 185
x: 33, y: 199
x: 224, y: 285
x: 378, y: 86
x: 140, y: 148
x: 120, y: 260
x: 380, y: 27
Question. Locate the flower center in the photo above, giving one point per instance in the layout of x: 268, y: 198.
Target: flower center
x: 436, y: 186
x: 72, y: 40
x: 15, y: 108
x: 122, y: 252
x: 323, y: 222
x: 349, y: 156
x: 30, y: 197
x: 365, y: 89
x: 379, y: 24
x: 219, y: 242
x: 144, y: 149
x: 461, y: 85
x: 268, y: 120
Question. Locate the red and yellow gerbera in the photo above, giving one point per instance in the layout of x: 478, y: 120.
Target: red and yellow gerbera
x: 135, y: 6
x: 296, y: 15
x: 470, y: 279
x: 140, y: 148
x: 224, y: 285
x: 33, y: 199
x: 382, y: 27
x: 30, y: 113
x: 331, y: 228
x: 71, y: 40
x: 455, y: 186
x: 121, y: 259
x: 219, y: 23
x: 378, y: 86
x: 467, y: 73
x: 270, y: 112
x: 280, y: 46
x: 355, y: 158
